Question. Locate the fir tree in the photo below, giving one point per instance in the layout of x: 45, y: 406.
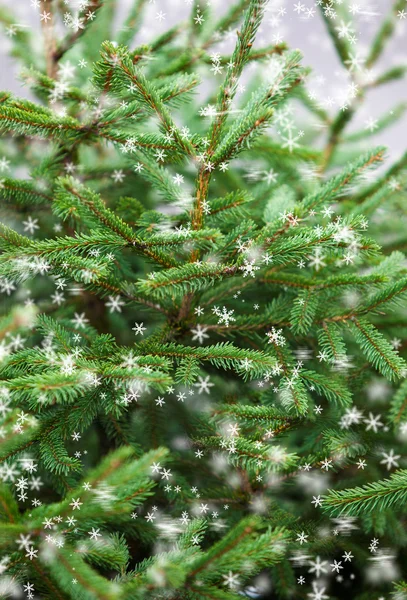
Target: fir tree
x: 196, y: 312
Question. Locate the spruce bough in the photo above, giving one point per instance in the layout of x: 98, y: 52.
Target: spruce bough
x: 189, y: 341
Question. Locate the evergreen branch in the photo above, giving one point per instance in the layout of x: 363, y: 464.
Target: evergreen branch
x: 337, y: 185
x: 231, y: 202
x: 341, y: 43
x: 53, y: 453
x: 13, y: 445
x: 211, y: 593
x: 93, y: 6
x: 185, y: 279
x: 372, y: 497
x: 230, y: 18
x: 112, y: 552
x: 145, y: 141
x: 331, y: 341
x: 23, y: 192
x: 173, y: 91
x: 24, y: 122
x: 394, y: 170
x: 69, y: 189
x: 22, y: 43
x: 222, y: 355
x: 188, y: 371
x: 293, y: 394
x: 387, y: 120
x: 239, y: 545
x: 82, y: 270
x: 241, y: 134
x: 400, y: 590
x: 377, y: 349
x: 398, y: 405
x: 10, y: 239
x: 238, y: 533
x: 204, y: 238
x: 375, y: 200
x: 160, y: 178
x: 385, y: 31
x: 266, y: 147
x: 253, y: 17
x: 303, y: 312
x: 274, y: 313
x: 45, y: 86
x: 122, y: 72
x: 290, y: 249
x: 252, y: 414
x: 245, y: 39
x: 121, y: 469
x: 315, y: 285
x: 72, y: 197
x: 390, y: 295
x: 259, y: 110
x: 64, y: 388
x: 392, y: 74
x: 344, y: 444
x: 80, y: 243
x: 25, y: 105
x: 255, y: 54
x: 159, y: 43
x: 89, y: 583
x: 331, y: 388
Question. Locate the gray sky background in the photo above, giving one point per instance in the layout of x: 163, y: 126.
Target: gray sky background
x: 307, y: 34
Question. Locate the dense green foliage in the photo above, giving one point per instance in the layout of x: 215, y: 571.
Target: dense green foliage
x: 190, y: 344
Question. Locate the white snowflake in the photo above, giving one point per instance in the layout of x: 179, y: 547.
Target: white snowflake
x: 224, y: 316
x: 390, y: 459
x: 139, y: 329
x: 317, y: 566
x: 203, y: 385
x: 249, y: 268
x: 317, y: 593
x: 199, y: 333
x: 115, y: 304
x: 276, y: 337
